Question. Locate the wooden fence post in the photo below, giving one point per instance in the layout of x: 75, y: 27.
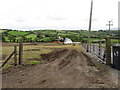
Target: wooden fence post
x: 20, y: 51
x: 93, y: 48
x: 15, y: 55
x: 108, y: 51
x: 100, y: 51
x: 90, y: 47
x: 87, y: 48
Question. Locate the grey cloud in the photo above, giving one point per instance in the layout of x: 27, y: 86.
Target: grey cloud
x: 20, y: 20
x: 94, y: 19
x: 29, y: 27
x: 56, y: 18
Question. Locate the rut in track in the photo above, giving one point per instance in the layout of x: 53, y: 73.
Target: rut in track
x: 62, y: 69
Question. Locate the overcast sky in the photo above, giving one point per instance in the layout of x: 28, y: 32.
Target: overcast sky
x: 57, y: 14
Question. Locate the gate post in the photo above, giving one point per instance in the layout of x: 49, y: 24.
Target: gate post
x: 108, y: 51
x: 15, y: 55
x: 100, y: 51
x: 90, y: 47
x: 20, y: 51
x: 93, y: 48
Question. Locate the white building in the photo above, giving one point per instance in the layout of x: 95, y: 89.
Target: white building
x: 68, y: 41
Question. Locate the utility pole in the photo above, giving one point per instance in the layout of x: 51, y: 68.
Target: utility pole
x: 109, y: 24
x: 89, y: 32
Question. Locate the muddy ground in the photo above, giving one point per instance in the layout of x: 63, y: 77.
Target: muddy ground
x: 60, y: 69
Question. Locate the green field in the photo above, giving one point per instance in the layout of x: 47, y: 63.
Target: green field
x: 17, y: 33
x: 113, y: 41
x: 33, y: 36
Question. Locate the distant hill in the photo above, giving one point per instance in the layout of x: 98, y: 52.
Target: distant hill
x: 9, y: 35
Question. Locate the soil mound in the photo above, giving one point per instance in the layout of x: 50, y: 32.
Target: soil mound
x: 64, y: 69
x: 54, y: 55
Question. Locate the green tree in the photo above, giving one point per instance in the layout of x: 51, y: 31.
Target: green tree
x: 3, y: 39
x: 11, y: 38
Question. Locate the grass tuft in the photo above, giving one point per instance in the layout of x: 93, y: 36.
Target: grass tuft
x: 34, y: 62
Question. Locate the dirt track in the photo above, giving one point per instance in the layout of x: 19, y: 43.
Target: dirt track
x: 61, y: 69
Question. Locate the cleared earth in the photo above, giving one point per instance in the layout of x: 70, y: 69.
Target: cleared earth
x: 61, y: 68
